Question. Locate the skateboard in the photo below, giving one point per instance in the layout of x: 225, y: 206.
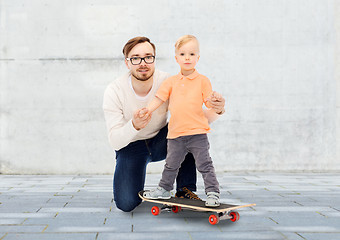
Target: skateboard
x: 174, y: 204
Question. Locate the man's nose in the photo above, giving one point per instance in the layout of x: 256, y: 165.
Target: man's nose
x: 143, y: 63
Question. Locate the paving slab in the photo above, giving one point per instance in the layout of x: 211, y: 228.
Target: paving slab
x: 295, y: 206
x: 51, y: 236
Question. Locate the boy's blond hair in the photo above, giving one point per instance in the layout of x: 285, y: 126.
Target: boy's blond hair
x: 185, y: 39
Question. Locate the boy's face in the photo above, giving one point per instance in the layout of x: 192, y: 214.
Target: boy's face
x: 142, y: 71
x: 187, y: 55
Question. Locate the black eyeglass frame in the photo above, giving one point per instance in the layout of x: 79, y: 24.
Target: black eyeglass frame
x: 142, y: 59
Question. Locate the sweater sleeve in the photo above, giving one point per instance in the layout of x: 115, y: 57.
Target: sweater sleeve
x: 120, y: 131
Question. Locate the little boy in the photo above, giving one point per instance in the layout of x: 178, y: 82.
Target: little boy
x: 188, y: 126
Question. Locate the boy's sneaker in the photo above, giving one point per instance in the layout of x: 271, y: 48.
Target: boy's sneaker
x: 186, y: 193
x: 213, y: 199
x: 158, y: 193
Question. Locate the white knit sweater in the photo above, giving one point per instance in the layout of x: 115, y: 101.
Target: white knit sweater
x: 119, y: 104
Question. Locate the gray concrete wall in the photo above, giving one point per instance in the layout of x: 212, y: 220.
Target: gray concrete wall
x: 337, y: 76
x: 276, y: 63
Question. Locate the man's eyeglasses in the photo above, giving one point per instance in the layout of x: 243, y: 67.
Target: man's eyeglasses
x: 138, y: 60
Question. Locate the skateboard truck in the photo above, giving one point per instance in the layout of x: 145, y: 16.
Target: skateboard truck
x: 169, y: 208
x: 232, y: 215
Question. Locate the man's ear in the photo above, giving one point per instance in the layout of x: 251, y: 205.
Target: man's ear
x: 127, y: 64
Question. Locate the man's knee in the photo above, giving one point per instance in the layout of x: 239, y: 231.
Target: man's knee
x: 127, y: 206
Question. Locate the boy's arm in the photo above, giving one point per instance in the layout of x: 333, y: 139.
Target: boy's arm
x: 208, y: 103
x: 152, y: 106
x: 217, y: 103
x: 213, y: 101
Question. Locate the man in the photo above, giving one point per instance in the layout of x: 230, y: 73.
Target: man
x: 140, y: 140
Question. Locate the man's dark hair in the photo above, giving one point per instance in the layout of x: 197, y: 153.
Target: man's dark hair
x: 133, y: 42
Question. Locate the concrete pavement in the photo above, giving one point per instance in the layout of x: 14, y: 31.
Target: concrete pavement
x: 293, y: 206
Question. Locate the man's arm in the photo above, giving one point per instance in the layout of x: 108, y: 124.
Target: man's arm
x: 120, y: 131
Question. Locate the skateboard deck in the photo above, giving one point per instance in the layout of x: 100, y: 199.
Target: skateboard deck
x: 224, y: 211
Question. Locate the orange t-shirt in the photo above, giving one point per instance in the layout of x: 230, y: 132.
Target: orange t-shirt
x: 186, y: 96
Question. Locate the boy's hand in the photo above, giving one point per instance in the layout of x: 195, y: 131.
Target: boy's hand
x: 216, y: 97
x: 143, y: 112
x: 217, y: 102
x: 141, y: 118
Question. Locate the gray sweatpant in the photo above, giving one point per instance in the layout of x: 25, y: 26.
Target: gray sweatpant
x: 178, y: 148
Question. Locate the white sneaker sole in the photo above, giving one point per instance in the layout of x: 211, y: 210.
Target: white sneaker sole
x: 155, y: 198
x: 214, y: 205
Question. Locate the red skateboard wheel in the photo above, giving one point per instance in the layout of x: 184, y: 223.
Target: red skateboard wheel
x: 213, y: 219
x: 234, y: 216
x: 155, y: 210
x: 176, y: 209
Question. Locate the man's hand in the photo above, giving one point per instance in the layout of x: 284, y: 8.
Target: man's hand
x: 143, y: 112
x: 141, y: 118
x: 217, y: 102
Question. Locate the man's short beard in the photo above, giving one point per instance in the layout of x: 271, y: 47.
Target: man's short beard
x: 142, y: 79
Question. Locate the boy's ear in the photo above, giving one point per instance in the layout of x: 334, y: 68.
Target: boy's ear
x: 176, y: 58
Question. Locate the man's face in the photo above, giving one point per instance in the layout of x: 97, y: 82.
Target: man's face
x: 142, y: 71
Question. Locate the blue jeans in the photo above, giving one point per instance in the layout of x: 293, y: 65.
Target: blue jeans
x: 131, y: 162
